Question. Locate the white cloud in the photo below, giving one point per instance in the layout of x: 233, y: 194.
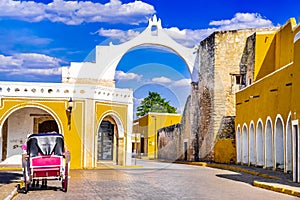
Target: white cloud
x: 122, y: 36
x: 120, y: 75
x: 77, y: 12
x: 161, y: 79
x: 30, y: 63
x: 189, y: 37
x: 243, y: 20
x: 182, y: 82
x: 171, y: 83
x: 137, y: 101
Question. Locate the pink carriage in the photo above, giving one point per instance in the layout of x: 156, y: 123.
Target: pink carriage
x: 45, y: 159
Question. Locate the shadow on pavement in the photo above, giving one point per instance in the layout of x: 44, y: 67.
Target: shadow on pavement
x: 9, y: 177
x: 238, y: 177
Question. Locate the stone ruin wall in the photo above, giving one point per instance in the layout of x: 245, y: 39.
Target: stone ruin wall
x: 211, y: 109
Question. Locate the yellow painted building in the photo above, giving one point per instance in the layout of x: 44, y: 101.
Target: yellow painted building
x: 268, y: 108
x: 145, y: 132
x: 87, y: 116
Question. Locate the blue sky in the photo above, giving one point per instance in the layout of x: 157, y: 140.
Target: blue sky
x: 39, y: 37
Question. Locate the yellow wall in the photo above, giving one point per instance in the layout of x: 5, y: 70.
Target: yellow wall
x: 264, y: 55
x: 225, y: 151
x: 103, y: 109
x: 149, y: 128
x: 273, y: 50
x: 277, y: 92
x: 57, y: 108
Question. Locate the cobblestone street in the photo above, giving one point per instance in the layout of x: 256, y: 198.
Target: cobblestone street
x: 156, y: 180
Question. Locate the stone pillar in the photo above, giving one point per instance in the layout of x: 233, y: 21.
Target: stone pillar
x: 88, y: 136
x: 128, y: 142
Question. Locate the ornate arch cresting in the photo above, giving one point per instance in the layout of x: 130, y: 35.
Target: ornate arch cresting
x: 109, y: 56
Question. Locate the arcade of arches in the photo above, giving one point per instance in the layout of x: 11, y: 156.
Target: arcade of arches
x: 265, y: 143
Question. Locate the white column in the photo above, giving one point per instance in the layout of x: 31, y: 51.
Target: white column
x: 89, y: 131
x: 129, y: 134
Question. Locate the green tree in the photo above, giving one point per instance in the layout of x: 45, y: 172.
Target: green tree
x: 154, y: 103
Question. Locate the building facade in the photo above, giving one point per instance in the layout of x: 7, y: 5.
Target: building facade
x: 146, y: 130
x: 267, y: 108
x: 79, y: 112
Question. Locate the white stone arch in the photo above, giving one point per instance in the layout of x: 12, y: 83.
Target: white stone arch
x: 119, y: 150
x: 288, y: 145
x: 269, y: 143
x: 251, y: 143
x: 259, y: 143
x: 109, y: 56
x: 279, y: 143
x: 238, y: 144
x: 245, y: 142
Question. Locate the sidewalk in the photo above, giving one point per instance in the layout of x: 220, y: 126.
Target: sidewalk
x: 266, y: 178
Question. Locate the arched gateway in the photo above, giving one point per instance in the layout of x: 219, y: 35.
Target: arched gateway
x: 94, y: 116
x: 108, y: 57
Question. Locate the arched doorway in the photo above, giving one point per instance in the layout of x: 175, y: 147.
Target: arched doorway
x: 279, y: 145
x: 245, y: 145
x: 110, y: 142
x: 252, y: 144
x: 105, y: 141
x: 238, y: 144
x: 269, y: 145
x: 288, y: 146
x: 18, y: 125
x: 259, y: 145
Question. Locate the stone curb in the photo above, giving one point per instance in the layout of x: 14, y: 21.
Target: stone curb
x: 10, y: 169
x: 12, y: 194
x: 276, y: 188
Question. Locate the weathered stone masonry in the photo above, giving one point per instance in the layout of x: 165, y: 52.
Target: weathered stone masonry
x: 212, y: 102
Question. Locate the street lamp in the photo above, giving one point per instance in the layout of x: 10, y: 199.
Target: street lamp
x: 155, y: 139
x: 70, y: 105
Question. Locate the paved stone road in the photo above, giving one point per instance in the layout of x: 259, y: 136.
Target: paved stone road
x: 156, y: 181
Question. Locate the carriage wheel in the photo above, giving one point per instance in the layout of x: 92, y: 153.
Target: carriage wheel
x: 64, y: 182
x: 26, y: 184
